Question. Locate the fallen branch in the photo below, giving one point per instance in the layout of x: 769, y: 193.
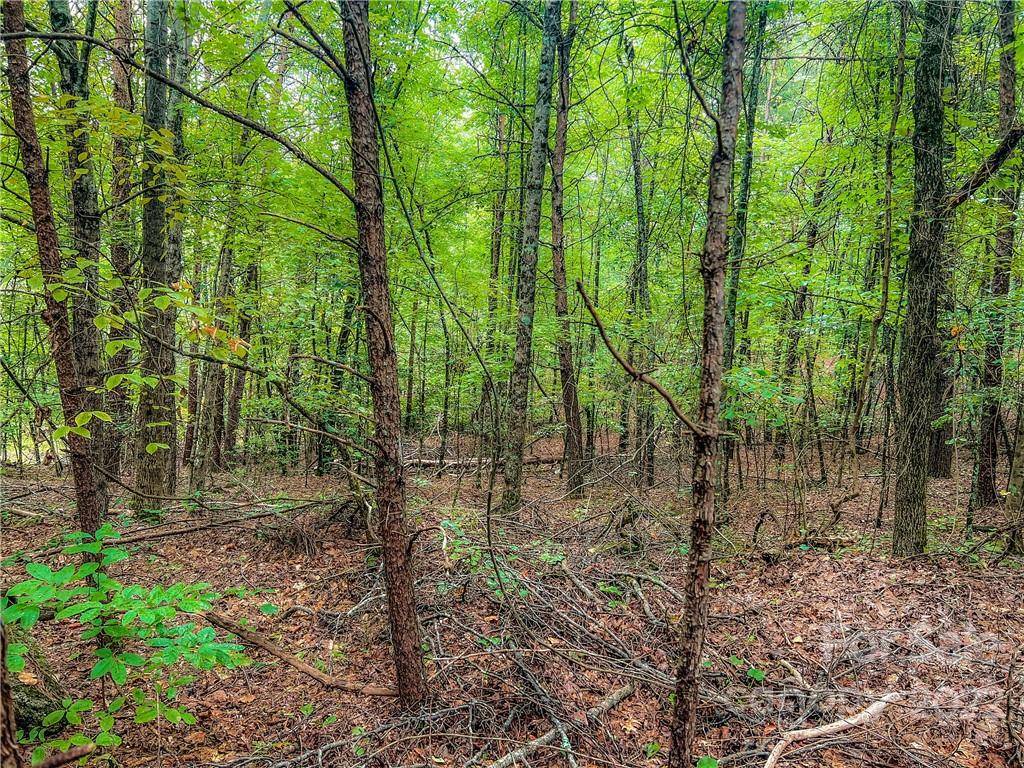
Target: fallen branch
x: 254, y: 638
x: 838, y: 726
x: 602, y: 708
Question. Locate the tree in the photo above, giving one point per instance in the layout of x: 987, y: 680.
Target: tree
x: 570, y: 398
x: 156, y: 444
x: 90, y: 498
x: 526, y: 287
x: 999, y: 287
x: 380, y: 343
x: 705, y: 442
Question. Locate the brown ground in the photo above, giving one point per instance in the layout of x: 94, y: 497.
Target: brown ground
x: 832, y: 625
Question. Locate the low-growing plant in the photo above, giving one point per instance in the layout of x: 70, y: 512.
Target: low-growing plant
x: 142, y: 639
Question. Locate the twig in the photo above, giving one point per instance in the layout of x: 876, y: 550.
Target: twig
x: 576, y: 580
x: 551, y: 736
x: 698, y: 429
x: 837, y: 726
x: 254, y: 638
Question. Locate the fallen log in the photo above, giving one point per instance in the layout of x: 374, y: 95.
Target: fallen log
x: 602, y: 708
x: 837, y: 726
x: 471, y: 463
x: 258, y: 640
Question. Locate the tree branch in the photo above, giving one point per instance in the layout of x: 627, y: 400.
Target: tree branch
x: 985, y: 171
x: 698, y: 429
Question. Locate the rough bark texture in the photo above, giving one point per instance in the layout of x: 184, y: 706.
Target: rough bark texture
x: 234, y: 409
x: 738, y: 243
x: 121, y: 236
x: 639, y: 296
x: 570, y: 397
x: 156, y: 454
x: 73, y: 62
x: 526, y: 288
x: 89, y: 497
x: 919, y: 342
x: 1015, y: 493
x: 986, y: 492
x: 380, y: 342
x: 705, y: 445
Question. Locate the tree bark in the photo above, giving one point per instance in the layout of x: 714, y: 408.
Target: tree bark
x: 526, y: 288
x: 738, y: 243
x: 919, y: 342
x: 73, y: 63
x: 156, y: 451
x: 380, y: 341
x: 986, y: 492
x: 89, y: 497
x: 705, y: 448
x: 234, y: 411
x: 121, y: 237
x: 570, y: 397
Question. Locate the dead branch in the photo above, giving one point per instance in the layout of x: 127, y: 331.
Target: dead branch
x: 254, y: 638
x: 837, y: 726
x: 699, y: 429
x: 602, y: 708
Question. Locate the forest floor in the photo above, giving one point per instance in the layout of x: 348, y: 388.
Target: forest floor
x: 806, y: 627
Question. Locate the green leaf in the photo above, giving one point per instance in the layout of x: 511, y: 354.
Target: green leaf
x: 39, y: 571
x: 707, y: 762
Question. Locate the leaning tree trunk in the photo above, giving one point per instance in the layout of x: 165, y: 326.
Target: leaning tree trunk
x: 380, y: 342
x: 992, y: 371
x: 570, y: 395
x: 919, y: 353
x: 156, y: 449
x: 89, y: 497
x: 526, y: 289
x: 705, y: 444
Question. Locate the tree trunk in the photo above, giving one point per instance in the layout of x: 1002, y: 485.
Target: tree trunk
x: 121, y: 237
x: 380, y: 341
x: 85, y: 228
x: 10, y: 756
x: 156, y: 453
x: 986, y: 492
x: 234, y: 412
x: 705, y: 445
x: 89, y: 497
x: 526, y: 288
x: 738, y: 243
x: 919, y: 344
x: 573, y: 451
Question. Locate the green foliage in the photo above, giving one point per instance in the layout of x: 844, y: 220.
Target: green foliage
x: 141, y: 637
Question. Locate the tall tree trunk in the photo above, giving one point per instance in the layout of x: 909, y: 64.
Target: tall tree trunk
x: 85, y: 230
x: 639, y: 292
x: 919, y: 343
x: 705, y: 444
x: 526, y: 288
x: 156, y: 452
x: 121, y: 238
x: 885, y: 245
x: 380, y: 340
x: 411, y: 365
x: 1015, y: 493
x: 570, y: 396
x: 992, y: 370
x: 738, y: 243
x: 89, y: 496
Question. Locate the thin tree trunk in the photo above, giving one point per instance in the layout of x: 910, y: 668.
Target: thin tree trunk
x: 85, y: 230
x: 380, y: 338
x: 526, y: 288
x: 89, y: 497
x: 156, y: 454
x: 705, y: 445
x: 573, y: 451
x: 234, y: 412
x: 986, y: 492
x: 738, y: 243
